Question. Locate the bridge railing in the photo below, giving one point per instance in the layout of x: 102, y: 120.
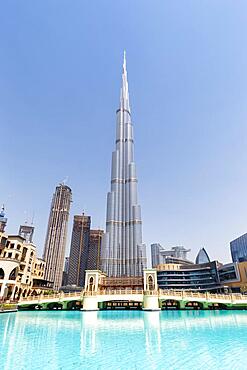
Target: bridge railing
x: 43, y: 297
x: 119, y: 291
x: 187, y: 294
x: 169, y: 293
x: 151, y: 292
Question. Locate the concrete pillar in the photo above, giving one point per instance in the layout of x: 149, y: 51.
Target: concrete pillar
x: 90, y: 303
x: 2, y: 289
x: 13, y: 293
x: 205, y: 305
x: 182, y: 305
x: 151, y: 302
x: 64, y: 303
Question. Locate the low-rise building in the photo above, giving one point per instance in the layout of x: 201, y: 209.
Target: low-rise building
x: 234, y: 276
x: 21, y: 271
x: 193, y: 277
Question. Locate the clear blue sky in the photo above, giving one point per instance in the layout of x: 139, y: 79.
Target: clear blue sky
x: 60, y: 73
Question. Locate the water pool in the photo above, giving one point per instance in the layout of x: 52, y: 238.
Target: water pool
x: 123, y: 340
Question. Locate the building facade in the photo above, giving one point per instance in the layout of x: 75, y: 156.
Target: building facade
x: 194, y: 277
x: 176, y: 254
x: 95, y: 243
x: 123, y: 253
x: 79, y: 250
x: 55, y: 244
x: 21, y: 271
x: 233, y: 276
x: 202, y: 256
x: 27, y: 231
x: 239, y: 249
x: 65, y: 272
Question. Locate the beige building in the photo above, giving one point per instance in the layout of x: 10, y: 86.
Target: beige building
x: 21, y: 271
x: 238, y: 282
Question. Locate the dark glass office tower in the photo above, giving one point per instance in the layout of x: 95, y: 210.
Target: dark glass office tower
x: 239, y: 249
x: 79, y: 250
x: 95, y: 242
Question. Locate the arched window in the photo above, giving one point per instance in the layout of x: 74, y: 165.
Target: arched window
x: 1, y: 274
x: 150, y: 283
x: 91, y: 284
x: 13, y: 274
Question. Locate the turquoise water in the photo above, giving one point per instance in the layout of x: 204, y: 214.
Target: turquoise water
x: 123, y: 340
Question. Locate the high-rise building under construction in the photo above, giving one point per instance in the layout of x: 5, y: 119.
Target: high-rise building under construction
x: 55, y: 244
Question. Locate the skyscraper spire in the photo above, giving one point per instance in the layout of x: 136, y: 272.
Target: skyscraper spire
x: 124, y: 94
x: 123, y: 253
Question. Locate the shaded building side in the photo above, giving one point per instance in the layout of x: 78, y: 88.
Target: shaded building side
x: 79, y: 250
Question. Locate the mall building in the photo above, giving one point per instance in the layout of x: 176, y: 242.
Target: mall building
x: 204, y: 275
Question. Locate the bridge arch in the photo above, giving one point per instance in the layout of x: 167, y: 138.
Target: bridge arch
x: 54, y: 306
x: 170, y: 304
x: 118, y: 304
x: 194, y: 305
x: 74, y: 305
x: 218, y: 306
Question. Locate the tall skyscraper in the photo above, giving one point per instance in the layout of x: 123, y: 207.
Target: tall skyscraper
x: 123, y: 253
x: 55, y: 244
x: 79, y: 250
x: 93, y: 262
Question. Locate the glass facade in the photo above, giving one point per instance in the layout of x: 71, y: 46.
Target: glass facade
x: 239, y: 249
x: 203, y: 277
x: 228, y: 273
x: 202, y: 256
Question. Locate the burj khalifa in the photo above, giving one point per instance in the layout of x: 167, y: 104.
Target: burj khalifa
x: 123, y: 253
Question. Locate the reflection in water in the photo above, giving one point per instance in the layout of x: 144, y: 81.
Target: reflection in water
x: 123, y: 339
x: 152, y: 332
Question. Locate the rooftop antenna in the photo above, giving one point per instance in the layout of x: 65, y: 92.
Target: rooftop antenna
x: 32, y: 218
x: 26, y: 217
x: 65, y: 180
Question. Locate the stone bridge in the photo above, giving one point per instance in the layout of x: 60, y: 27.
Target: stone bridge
x: 135, y: 299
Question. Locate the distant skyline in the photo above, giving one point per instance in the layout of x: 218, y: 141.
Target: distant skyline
x: 60, y: 74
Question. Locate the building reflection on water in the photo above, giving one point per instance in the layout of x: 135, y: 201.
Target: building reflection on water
x: 29, y: 339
